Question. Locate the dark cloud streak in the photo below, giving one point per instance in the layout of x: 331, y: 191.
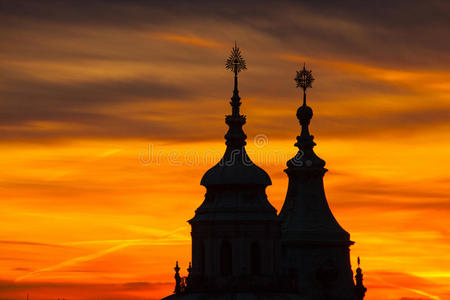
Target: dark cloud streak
x: 407, y: 34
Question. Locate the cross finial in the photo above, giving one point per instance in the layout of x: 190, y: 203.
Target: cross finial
x: 304, y: 79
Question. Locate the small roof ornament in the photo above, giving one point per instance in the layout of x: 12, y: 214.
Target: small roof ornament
x: 360, y: 288
x: 304, y: 79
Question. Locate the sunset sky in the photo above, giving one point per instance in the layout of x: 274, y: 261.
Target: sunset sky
x: 111, y: 112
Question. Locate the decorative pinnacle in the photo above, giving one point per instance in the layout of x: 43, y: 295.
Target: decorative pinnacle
x: 177, y: 268
x: 360, y: 288
x: 304, y: 80
x: 359, y: 261
x: 235, y: 61
x: 235, y: 136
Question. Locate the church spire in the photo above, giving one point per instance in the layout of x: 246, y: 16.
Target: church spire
x: 309, y: 229
x: 235, y: 136
x: 304, y: 80
x: 235, y: 63
x: 235, y: 167
x: 235, y: 203
x: 305, y: 141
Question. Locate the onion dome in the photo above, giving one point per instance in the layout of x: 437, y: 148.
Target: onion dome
x: 235, y: 167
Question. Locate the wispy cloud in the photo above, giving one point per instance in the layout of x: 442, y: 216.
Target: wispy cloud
x: 76, y: 260
x: 161, y: 237
x: 189, y: 40
x: 28, y: 243
x: 378, y: 277
x: 418, y: 80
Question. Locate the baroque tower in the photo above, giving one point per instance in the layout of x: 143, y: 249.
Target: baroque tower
x: 235, y: 231
x: 315, y: 248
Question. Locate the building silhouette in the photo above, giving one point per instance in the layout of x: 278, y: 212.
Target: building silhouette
x: 241, y: 248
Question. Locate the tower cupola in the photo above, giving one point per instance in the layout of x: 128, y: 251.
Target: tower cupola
x: 235, y: 231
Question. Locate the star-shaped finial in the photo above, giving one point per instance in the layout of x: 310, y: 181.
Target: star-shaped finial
x: 304, y: 78
x: 235, y: 61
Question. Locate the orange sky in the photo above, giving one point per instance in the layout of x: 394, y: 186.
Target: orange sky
x: 111, y: 112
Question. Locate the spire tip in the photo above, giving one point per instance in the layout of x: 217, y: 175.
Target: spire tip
x: 304, y: 79
x: 235, y: 62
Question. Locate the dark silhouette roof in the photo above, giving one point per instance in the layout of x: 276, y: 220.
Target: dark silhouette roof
x: 306, y: 215
x: 236, y: 173
x: 235, y: 167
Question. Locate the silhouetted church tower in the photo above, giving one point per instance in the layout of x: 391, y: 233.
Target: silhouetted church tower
x: 315, y: 247
x: 241, y: 248
x: 235, y: 232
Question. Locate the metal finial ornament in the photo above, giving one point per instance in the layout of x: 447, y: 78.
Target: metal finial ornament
x: 304, y: 80
x: 235, y: 61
